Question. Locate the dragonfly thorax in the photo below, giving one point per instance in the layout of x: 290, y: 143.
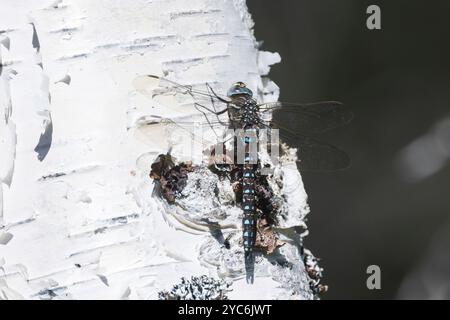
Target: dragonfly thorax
x: 249, y: 113
x: 244, y: 111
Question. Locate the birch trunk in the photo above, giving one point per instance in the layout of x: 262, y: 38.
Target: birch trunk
x: 76, y: 214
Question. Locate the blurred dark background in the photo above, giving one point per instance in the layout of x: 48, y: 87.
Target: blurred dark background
x: 387, y: 208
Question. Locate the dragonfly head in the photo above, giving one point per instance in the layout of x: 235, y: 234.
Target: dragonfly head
x: 239, y: 88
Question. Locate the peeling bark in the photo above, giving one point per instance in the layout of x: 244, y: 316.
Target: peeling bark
x: 77, y: 215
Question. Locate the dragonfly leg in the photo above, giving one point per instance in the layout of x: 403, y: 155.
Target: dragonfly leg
x: 210, y: 110
x: 215, y: 94
x: 206, y: 117
x: 216, y: 113
x: 211, y: 91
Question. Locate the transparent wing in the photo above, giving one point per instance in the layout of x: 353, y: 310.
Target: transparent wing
x: 191, y: 140
x: 294, y: 120
x: 312, y: 118
x: 145, y: 160
x: 152, y: 85
x: 188, y: 139
x: 208, y: 131
x: 189, y: 123
x: 314, y: 155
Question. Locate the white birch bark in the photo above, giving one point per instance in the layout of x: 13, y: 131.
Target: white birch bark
x: 76, y: 214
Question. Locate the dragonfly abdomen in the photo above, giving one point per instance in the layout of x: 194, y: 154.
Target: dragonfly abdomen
x: 249, y: 169
x: 249, y: 207
x: 248, y: 187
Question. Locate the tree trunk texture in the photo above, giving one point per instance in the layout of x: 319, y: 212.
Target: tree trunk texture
x: 77, y: 216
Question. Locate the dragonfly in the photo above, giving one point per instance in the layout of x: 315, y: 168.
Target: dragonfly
x: 297, y: 125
